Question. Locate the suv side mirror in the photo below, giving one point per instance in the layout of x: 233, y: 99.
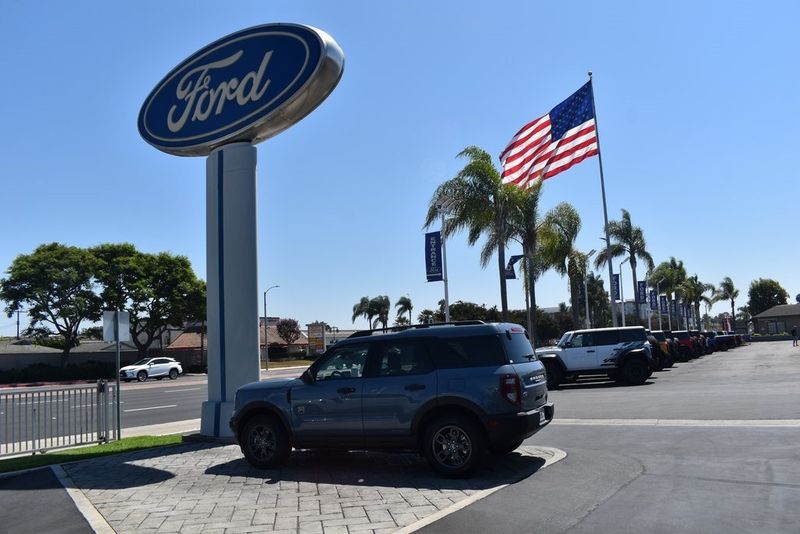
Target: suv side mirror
x: 307, y: 377
x: 567, y: 344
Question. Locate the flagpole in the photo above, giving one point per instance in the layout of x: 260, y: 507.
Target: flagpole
x: 605, y: 208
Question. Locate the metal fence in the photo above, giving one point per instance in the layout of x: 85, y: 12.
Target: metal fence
x: 46, y: 419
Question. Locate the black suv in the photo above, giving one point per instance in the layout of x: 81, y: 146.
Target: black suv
x: 450, y: 391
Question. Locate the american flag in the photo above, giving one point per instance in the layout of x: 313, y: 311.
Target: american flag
x: 553, y: 143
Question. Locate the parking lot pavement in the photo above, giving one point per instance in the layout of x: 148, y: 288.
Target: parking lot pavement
x: 211, y: 488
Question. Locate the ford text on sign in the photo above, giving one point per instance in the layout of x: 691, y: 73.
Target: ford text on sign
x: 248, y: 86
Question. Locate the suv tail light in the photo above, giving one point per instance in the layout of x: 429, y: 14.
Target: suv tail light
x: 510, y: 388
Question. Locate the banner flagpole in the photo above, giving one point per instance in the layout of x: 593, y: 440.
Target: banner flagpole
x: 605, y: 208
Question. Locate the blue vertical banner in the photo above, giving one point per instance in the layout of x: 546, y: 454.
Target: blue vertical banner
x: 615, y: 287
x: 642, y: 287
x: 433, y: 256
x: 653, y: 300
x: 672, y: 305
x: 683, y: 309
x: 510, y: 273
x: 663, y: 300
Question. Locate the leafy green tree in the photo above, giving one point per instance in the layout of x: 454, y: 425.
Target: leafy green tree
x: 158, y: 290
x: 403, y: 305
x: 288, y: 330
x: 478, y: 202
x: 765, y: 293
x: 727, y: 291
x: 744, y: 314
x: 627, y: 240
x: 599, y: 304
x: 401, y: 320
x: 55, y: 284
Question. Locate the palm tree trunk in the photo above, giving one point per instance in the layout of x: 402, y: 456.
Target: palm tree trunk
x: 574, y: 291
x: 532, y: 293
x: 501, y: 266
x: 733, y: 316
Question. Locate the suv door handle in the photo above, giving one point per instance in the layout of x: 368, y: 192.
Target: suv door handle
x: 590, y: 350
x: 345, y: 391
x: 415, y: 387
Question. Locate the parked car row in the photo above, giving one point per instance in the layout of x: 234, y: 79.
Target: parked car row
x: 628, y: 355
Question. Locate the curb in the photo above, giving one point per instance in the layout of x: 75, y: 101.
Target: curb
x: 95, y: 519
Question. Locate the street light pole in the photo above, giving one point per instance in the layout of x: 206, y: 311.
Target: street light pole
x: 621, y: 288
x: 266, y: 341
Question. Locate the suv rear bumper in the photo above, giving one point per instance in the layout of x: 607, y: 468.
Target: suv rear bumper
x: 520, y: 425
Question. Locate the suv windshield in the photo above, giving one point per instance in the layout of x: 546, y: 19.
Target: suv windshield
x: 564, y: 339
x: 142, y: 362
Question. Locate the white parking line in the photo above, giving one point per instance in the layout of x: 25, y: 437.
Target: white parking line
x: 177, y: 390
x: 150, y: 408
x: 702, y: 423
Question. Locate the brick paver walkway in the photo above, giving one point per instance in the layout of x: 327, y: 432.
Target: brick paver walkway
x: 200, y: 487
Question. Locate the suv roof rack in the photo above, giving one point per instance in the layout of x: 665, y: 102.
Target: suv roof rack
x: 395, y: 329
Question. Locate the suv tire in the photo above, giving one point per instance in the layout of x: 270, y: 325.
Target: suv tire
x: 635, y: 372
x: 554, y: 375
x: 141, y: 376
x: 264, y: 442
x: 173, y: 374
x: 454, y: 445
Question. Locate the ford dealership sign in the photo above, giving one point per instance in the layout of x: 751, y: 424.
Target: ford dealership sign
x: 248, y: 86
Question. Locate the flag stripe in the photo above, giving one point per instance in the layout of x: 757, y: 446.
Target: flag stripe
x: 523, y: 136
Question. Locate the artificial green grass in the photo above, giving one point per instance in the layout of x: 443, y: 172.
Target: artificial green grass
x: 85, y: 453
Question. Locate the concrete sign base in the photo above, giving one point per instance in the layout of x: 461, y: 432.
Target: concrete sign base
x: 232, y: 268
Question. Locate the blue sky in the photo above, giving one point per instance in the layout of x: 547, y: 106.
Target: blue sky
x: 696, y: 102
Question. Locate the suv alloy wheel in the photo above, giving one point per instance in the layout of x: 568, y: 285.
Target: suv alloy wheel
x: 454, y: 445
x: 264, y: 442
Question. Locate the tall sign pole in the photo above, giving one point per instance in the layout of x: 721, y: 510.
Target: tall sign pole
x: 605, y: 208
x: 220, y: 102
x: 117, y: 392
x: 444, y: 277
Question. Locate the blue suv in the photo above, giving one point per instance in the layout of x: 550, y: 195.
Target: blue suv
x: 449, y: 391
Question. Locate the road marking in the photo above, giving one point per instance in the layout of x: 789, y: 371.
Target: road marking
x: 177, y: 390
x: 150, y: 408
x: 695, y: 423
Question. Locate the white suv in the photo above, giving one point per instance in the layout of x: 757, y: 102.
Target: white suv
x: 621, y: 353
x: 157, y: 368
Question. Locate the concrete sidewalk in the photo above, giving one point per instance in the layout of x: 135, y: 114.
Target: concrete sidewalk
x: 210, y: 488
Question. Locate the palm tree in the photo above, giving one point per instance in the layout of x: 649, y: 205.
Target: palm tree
x: 558, y: 236
x: 694, y: 293
x: 672, y: 274
x: 727, y: 291
x: 629, y: 242
x: 361, y: 309
x: 403, y: 305
x: 379, y: 308
x: 546, y: 240
x: 478, y: 203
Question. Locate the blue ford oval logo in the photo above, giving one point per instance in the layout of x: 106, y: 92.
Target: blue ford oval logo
x: 247, y: 86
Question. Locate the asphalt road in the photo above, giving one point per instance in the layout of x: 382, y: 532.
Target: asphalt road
x: 684, y: 453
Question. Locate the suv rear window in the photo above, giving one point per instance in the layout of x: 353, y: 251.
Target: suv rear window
x: 518, y: 349
x: 472, y: 351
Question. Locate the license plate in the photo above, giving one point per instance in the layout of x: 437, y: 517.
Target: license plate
x: 542, y: 418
